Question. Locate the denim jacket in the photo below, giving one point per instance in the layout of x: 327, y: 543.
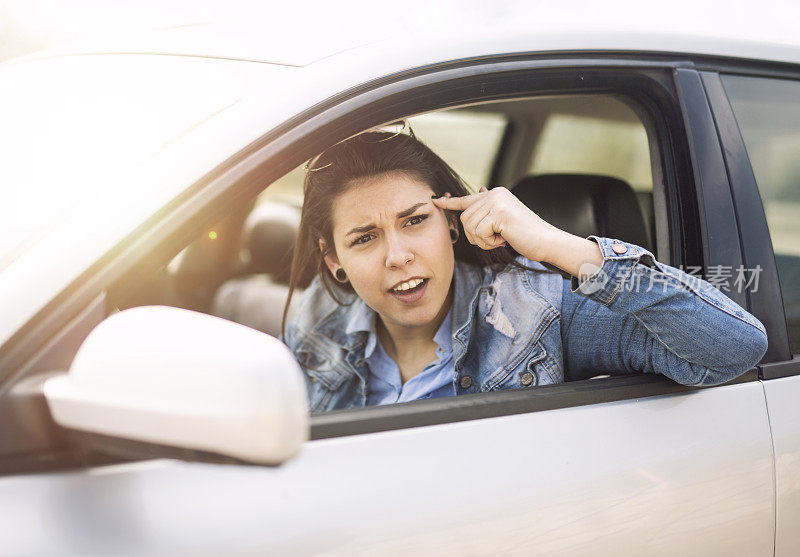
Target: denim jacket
x: 519, y: 328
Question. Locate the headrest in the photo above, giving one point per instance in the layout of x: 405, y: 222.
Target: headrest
x: 268, y: 237
x: 585, y: 204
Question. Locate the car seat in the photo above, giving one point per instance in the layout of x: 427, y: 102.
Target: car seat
x: 586, y: 204
x: 257, y: 298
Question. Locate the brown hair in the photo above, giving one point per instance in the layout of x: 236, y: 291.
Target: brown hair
x: 363, y: 156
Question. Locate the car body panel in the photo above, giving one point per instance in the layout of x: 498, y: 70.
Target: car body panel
x: 686, y: 474
x: 782, y: 396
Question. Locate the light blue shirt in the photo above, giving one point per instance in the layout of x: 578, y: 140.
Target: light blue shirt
x: 384, y: 385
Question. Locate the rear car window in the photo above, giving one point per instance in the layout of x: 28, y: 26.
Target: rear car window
x: 467, y: 140
x: 611, y: 142
x: 768, y: 113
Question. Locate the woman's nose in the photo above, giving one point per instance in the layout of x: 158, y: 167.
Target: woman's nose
x: 398, y: 252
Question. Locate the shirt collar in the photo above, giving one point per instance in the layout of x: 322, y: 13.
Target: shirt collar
x: 362, y: 320
x: 442, y: 337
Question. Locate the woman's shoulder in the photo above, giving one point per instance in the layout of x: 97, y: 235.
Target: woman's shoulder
x: 519, y: 281
x: 318, y: 309
x: 524, y: 276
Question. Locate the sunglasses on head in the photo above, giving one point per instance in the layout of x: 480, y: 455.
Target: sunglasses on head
x: 402, y: 126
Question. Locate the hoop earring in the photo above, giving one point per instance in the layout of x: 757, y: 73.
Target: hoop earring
x: 340, y: 275
x: 453, y: 235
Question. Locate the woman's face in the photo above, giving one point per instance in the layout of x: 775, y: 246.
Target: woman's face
x: 395, y: 247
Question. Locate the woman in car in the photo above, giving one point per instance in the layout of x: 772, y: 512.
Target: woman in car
x: 423, y: 290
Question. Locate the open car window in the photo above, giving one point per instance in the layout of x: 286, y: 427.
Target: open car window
x: 238, y: 269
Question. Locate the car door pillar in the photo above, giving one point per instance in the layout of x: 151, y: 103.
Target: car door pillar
x: 720, y: 237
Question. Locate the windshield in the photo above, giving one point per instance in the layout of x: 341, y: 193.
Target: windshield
x: 71, y: 126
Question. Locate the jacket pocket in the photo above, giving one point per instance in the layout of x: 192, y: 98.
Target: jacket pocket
x: 534, y: 368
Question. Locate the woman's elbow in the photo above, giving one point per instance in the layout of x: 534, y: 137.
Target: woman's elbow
x: 748, y: 346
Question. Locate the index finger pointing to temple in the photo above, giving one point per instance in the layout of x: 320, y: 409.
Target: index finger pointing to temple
x: 456, y: 203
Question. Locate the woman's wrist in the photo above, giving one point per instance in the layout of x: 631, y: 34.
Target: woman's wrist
x: 573, y: 254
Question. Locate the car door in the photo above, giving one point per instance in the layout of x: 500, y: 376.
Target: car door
x: 628, y: 464
x: 758, y: 115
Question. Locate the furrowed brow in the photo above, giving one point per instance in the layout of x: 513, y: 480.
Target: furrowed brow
x: 400, y: 215
x: 361, y: 229
x: 410, y: 210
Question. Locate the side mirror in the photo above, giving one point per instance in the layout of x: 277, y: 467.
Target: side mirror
x: 188, y: 380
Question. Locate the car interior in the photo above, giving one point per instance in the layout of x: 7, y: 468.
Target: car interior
x: 583, y: 163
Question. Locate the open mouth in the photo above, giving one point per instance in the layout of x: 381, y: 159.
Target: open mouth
x: 411, y: 290
x: 411, y: 285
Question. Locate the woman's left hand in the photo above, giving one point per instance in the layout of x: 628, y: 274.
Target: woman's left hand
x: 493, y: 218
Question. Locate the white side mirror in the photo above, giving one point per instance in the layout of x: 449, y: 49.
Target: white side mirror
x: 185, y: 379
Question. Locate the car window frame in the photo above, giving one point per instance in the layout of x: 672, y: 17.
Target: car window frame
x: 483, y: 405
x: 430, y: 88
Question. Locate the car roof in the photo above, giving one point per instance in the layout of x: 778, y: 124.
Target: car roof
x: 293, y: 46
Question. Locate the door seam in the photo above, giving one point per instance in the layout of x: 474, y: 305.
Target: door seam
x: 774, y: 474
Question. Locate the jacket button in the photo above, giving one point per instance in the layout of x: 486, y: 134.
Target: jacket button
x: 527, y: 378
x: 466, y: 382
x: 619, y: 248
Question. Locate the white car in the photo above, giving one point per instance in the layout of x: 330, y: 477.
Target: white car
x: 146, y: 192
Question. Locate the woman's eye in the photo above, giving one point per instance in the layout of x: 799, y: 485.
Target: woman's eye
x: 416, y: 219
x: 362, y: 239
